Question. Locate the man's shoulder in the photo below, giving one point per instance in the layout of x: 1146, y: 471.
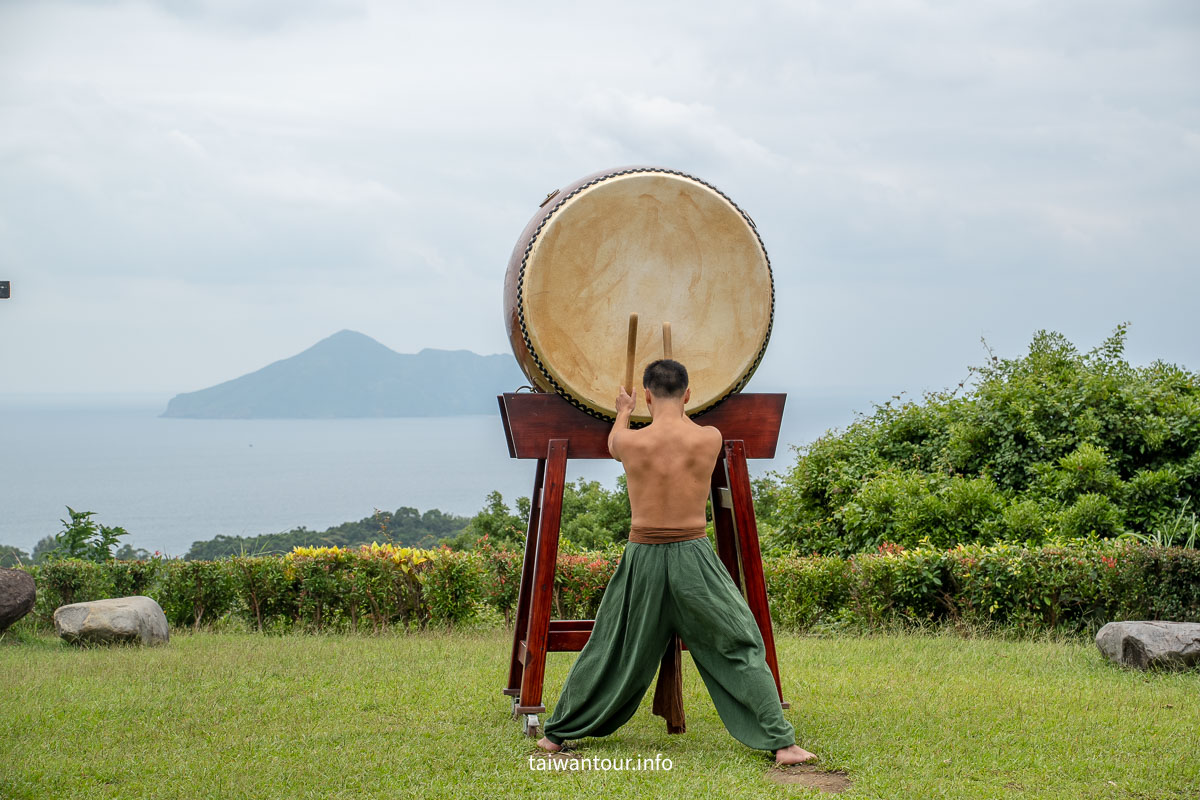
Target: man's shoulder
x: 630, y: 433
x: 710, y: 434
x: 629, y: 437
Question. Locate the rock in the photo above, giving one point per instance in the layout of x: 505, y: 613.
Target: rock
x: 1151, y: 645
x: 120, y: 619
x: 17, y: 595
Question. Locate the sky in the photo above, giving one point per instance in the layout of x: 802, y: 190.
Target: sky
x: 191, y: 189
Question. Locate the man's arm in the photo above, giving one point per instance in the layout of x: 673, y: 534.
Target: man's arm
x: 625, y: 405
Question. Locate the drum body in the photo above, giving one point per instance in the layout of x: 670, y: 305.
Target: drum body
x: 660, y: 243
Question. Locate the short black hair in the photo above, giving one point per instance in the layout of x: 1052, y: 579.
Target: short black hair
x: 665, y: 378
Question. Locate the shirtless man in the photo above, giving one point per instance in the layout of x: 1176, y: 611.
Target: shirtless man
x: 669, y: 580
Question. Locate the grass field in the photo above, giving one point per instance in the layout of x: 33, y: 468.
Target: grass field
x: 240, y: 715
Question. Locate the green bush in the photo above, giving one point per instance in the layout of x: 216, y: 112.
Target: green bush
x: 806, y: 591
x: 909, y: 508
x: 133, y: 577
x: 195, y: 592
x: 579, y: 583
x: 1026, y: 521
x: 504, y: 583
x: 1091, y: 514
x: 336, y: 588
x: 1056, y: 443
x: 454, y: 587
x: 269, y: 595
x: 1154, y: 583
x: 1085, y: 470
x: 1150, y: 497
x: 65, y: 581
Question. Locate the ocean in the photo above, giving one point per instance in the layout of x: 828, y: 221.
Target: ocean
x: 170, y: 482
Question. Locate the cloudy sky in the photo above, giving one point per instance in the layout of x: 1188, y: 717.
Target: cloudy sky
x: 190, y: 189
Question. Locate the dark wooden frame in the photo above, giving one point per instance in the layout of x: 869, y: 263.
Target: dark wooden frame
x: 551, y: 430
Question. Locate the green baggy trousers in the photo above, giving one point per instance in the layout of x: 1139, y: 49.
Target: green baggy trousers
x: 658, y: 589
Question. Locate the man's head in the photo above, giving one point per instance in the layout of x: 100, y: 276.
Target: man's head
x: 666, y: 380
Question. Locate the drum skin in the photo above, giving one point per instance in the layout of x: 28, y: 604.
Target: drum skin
x: 638, y: 239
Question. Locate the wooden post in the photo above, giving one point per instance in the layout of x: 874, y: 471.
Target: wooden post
x: 750, y: 555
x: 542, y: 587
x: 723, y: 524
x: 521, y: 623
x: 668, y: 693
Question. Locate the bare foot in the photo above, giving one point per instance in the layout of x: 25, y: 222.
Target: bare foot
x: 793, y: 755
x: 546, y: 744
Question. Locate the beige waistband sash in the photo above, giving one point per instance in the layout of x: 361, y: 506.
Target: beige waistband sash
x: 642, y: 534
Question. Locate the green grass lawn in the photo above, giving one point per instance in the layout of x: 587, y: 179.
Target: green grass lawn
x: 242, y: 715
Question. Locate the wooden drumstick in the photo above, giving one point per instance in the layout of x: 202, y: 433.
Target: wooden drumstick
x: 629, y: 353
x: 667, y: 340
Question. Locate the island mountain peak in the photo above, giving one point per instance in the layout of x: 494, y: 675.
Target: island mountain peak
x: 349, y: 374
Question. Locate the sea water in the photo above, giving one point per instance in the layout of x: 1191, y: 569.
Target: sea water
x: 170, y: 482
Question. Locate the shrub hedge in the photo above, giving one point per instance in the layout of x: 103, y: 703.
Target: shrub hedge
x: 369, y: 588
x: 1027, y: 590
x: 1075, y: 587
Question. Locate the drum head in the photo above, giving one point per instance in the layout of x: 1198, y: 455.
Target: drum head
x: 660, y: 243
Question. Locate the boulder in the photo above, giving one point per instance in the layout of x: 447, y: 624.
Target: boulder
x: 17, y: 594
x: 1151, y: 644
x: 120, y: 619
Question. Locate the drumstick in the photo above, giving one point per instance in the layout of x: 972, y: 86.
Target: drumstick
x: 629, y: 352
x: 666, y: 340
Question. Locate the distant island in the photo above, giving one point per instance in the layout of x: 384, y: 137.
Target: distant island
x: 352, y: 375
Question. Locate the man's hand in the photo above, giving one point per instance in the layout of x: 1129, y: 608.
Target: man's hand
x: 625, y: 402
x: 625, y: 405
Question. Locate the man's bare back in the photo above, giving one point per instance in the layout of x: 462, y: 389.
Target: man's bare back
x: 667, y: 464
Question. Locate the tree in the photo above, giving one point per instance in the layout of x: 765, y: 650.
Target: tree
x: 406, y: 527
x: 593, y: 518
x: 129, y: 553
x: 84, y: 538
x: 13, y: 557
x: 43, y: 548
x: 495, y: 521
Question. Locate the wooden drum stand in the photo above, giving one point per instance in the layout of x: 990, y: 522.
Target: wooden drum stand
x: 546, y: 427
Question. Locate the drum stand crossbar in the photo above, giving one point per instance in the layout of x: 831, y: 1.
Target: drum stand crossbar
x: 548, y: 428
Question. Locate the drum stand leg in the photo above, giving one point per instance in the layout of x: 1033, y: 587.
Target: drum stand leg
x: 737, y: 542
x: 516, y: 666
x: 531, y: 639
x: 530, y: 726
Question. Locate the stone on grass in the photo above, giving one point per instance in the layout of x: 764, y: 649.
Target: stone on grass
x: 1151, y: 644
x: 119, y: 619
x: 17, y: 595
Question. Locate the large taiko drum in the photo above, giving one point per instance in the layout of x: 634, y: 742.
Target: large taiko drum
x: 644, y: 240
